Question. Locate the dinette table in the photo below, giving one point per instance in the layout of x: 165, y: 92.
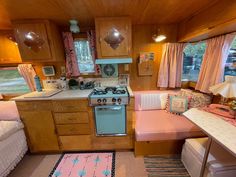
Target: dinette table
x: 216, y: 128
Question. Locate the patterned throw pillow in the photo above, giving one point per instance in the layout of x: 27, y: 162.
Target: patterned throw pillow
x: 177, y: 104
x: 198, y: 99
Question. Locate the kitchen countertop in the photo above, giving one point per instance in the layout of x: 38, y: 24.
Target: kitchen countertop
x: 65, y: 94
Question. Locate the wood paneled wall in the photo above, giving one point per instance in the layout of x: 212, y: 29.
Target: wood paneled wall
x: 142, y: 42
x: 217, y: 19
x: 57, y: 67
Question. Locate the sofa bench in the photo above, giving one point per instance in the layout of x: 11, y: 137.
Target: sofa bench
x: 158, y: 132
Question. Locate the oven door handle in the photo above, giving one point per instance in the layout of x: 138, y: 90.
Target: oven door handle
x: 117, y: 108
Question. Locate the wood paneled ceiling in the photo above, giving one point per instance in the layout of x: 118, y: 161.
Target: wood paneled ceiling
x: 141, y: 11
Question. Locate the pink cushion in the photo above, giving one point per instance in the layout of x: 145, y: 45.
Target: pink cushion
x: 8, y: 110
x: 137, y: 95
x: 160, y: 125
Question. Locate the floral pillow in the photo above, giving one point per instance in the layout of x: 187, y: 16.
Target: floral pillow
x: 177, y: 104
x: 198, y: 99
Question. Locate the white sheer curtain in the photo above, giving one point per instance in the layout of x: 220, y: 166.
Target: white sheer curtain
x: 28, y: 73
x: 84, y: 57
x: 213, y: 64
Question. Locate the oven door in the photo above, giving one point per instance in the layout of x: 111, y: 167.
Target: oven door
x: 110, y: 120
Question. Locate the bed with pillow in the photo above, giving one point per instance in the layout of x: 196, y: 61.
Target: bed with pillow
x: 13, y: 144
x: 160, y: 128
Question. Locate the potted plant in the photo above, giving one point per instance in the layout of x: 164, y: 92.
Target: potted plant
x: 232, y: 106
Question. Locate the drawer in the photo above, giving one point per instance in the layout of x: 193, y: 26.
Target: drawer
x: 73, y: 129
x: 71, y: 118
x: 34, y: 105
x: 70, y: 105
x: 82, y: 142
x: 116, y: 142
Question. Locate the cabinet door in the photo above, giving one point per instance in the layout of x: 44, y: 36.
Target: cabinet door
x: 40, y: 130
x: 114, y: 37
x: 33, y: 41
x: 9, y: 52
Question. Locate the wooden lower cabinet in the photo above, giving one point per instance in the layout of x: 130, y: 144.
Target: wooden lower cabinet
x: 68, y: 125
x: 112, y: 143
x: 40, y: 130
x: 76, y: 142
x: 73, y: 129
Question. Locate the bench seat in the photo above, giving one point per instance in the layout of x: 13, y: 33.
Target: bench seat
x: 156, y: 125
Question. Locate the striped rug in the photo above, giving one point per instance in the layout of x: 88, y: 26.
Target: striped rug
x: 165, y: 166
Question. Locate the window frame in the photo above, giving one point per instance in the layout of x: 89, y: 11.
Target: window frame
x: 8, y: 96
x: 192, y: 82
x: 231, y: 48
x: 79, y: 37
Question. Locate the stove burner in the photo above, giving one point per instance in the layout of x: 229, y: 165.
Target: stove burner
x: 100, y: 92
x: 119, y: 92
x: 109, y: 96
x: 107, y: 89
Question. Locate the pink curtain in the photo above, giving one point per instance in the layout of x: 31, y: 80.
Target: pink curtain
x: 28, y: 73
x: 214, y: 59
x: 72, y: 68
x: 92, y: 43
x: 171, y: 65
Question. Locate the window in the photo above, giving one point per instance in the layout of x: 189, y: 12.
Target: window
x: 230, y: 66
x: 193, y: 54
x: 11, y: 81
x: 84, y: 57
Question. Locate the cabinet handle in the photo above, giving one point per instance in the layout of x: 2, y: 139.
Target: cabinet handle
x: 69, y: 107
x: 71, y: 118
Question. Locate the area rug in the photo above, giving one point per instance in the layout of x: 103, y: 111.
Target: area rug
x: 165, y: 166
x: 85, y: 164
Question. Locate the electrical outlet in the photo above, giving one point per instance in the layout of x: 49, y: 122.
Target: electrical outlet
x: 63, y: 70
x: 126, y: 67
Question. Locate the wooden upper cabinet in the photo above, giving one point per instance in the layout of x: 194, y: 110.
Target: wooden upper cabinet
x: 38, y: 41
x: 9, y: 52
x: 113, y: 37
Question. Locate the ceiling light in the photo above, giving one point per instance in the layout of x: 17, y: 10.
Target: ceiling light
x: 74, y: 28
x: 158, y: 38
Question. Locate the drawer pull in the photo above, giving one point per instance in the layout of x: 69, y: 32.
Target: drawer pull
x: 72, y: 129
x: 71, y: 118
x: 69, y: 107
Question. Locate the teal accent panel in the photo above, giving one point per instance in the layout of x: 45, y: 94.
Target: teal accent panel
x: 110, y: 120
x: 114, y: 61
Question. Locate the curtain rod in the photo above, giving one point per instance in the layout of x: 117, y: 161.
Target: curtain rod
x: 234, y: 32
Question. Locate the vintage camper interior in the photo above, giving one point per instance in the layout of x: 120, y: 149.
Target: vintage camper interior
x: 118, y: 88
